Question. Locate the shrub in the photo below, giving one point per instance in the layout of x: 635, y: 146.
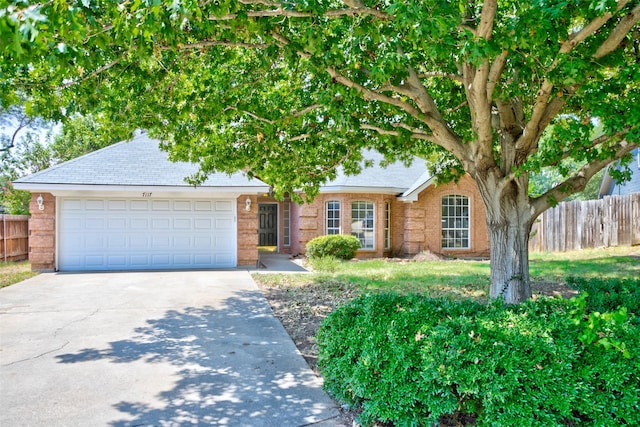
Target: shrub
x: 411, y: 360
x: 339, y: 246
x: 608, y: 294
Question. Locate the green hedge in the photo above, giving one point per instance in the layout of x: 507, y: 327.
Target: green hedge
x: 338, y: 246
x: 411, y: 360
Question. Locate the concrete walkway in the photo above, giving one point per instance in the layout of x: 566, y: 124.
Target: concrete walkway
x: 152, y: 349
x: 271, y: 262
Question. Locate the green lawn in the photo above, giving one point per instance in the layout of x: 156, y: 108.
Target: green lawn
x: 14, y: 272
x: 460, y: 279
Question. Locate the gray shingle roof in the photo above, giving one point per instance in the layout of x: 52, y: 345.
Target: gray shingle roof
x: 395, y: 177
x: 141, y: 163
x: 138, y: 162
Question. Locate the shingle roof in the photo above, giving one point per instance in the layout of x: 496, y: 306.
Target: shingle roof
x: 138, y: 162
x: 393, y: 178
x: 141, y: 163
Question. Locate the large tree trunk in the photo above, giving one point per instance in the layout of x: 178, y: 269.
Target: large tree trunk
x: 509, y: 244
x: 509, y: 221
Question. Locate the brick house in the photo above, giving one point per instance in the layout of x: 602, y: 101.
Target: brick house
x: 127, y: 207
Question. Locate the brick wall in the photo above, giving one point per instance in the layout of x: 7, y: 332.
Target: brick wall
x: 415, y: 227
x: 42, y: 233
x: 430, y: 202
x: 247, y: 231
x: 311, y: 221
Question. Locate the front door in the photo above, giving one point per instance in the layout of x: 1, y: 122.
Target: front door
x: 268, y: 224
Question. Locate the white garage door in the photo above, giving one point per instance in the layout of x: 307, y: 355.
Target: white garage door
x: 139, y: 234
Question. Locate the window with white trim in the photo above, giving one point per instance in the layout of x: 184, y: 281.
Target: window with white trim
x: 333, y: 217
x: 387, y: 225
x: 286, y: 224
x: 362, y: 223
x: 455, y: 222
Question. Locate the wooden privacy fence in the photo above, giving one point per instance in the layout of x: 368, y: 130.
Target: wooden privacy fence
x: 611, y: 221
x: 14, y: 237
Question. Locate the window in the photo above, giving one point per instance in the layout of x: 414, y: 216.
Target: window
x: 333, y: 217
x: 387, y: 225
x: 286, y: 224
x: 362, y: 226
x: 455, y: 222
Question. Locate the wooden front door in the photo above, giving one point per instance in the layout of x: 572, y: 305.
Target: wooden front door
x: 268, y: 224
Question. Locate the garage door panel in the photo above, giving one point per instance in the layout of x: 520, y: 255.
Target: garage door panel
x: 94, y: 223
x: 117, y: 205
x: 223, y: 223
x: 161, y: 223
x: 182, y: 205
x: 224, y: 206
x: 160, y: 205
x: 72, y: 205
x: 94, y: 205
x: 139, y: 224
x: 121, y: 234
x: 119, y: 261
x: 139, y: 260
x: 182, y: 223
x: 202, y: 205
x: 202, y: 223
x: 117, y: 223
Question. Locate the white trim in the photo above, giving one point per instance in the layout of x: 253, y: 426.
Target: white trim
x: 374, y: 219
x: 361, y: 190
x: 411, y: 195
x: 326, y: 216
x: 286, y: 203
x: 468, y: 247
x: 80, y: 189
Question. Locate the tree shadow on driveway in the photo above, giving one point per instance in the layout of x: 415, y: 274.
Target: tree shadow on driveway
x: 233, y: 365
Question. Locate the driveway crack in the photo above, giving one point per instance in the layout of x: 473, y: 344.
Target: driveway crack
x: 55, y: 334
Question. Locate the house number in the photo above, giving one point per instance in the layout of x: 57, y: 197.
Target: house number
x: 146, y: 194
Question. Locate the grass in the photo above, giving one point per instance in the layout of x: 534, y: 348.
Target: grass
x: 463, y: 279
x: 14, y: 272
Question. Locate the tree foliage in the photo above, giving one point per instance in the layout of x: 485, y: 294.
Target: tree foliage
x: 32, y: 150
x: 287, y: 91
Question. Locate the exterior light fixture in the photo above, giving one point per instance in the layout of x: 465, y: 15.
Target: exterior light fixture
x: 247, y: 205
x: 40, y: 202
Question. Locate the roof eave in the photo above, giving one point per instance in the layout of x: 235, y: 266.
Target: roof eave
x: 360, y: 190
x: 412, y: 194
x: 56, y: 187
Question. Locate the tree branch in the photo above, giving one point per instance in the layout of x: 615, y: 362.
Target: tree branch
x: 285, y: 13
x: 415, y: 133
x: 224, y: 43
x: 93, y: 73
x: 578, y: 181
x: 487, y: 16
x: 619, y: 32
x: 593, y: 143
x: 432, y: 74
x: 495, y: 72
x: 533, y: 128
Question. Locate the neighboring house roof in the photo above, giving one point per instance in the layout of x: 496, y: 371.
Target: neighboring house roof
x: 608, y: 187
x: 140, y: 163
x: 395, y: 178
x: 136, y: 163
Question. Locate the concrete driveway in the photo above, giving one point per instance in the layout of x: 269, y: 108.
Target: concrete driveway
x: 152, y: 349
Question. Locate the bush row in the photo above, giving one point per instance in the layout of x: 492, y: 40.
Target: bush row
x: 411, y: 360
